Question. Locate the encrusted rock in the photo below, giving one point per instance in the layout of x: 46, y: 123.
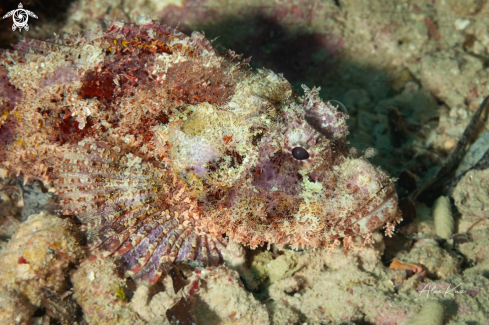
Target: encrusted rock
x: 99, y: 290
x: 34, y: 266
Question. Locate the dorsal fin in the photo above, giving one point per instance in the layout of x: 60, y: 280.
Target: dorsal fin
x: 29, y: 45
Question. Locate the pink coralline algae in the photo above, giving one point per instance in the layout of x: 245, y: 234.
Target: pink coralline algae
x: 166, y: 150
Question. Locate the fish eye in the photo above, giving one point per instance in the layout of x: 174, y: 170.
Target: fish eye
x: 300, y: 153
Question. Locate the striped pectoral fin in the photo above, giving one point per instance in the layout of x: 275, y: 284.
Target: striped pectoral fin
x: 110, y: 245
x: 94, y: 219
x: 180, y: 244
x: 162, y: 254
x: 138, y: 257
x: 153, y: 270
x: 214, y: 255
x: 133, y: 209
x: 177, y: 245
x: 109, y: 236
x: 135, y: 238
x: 95, y: 173
x: 220, y: 245
x: 97, y: 237
x: 165, y: 263
x: 163, y: 268
x: 187, y: 250
x: 142, y: 258
x: 202, y: 253
x: 99, y: 229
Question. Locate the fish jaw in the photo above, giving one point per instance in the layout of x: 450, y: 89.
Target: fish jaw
x: 386, y: 213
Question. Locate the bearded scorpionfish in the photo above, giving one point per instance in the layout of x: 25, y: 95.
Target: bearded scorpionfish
x: 165, y: 149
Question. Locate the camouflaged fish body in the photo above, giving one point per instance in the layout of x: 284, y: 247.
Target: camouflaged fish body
x: 165, y: 149
x: 134, y: 209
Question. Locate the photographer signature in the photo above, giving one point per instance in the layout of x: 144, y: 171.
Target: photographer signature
x: 432, y: 289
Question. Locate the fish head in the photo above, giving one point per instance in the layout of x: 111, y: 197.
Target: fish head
x: 273, y: 167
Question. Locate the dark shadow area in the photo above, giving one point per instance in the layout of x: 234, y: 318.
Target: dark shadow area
x: 451, y: 309
x: 202, y: 311
x: 485, y: 274
x: 301, y: 56
x: 297, y: 56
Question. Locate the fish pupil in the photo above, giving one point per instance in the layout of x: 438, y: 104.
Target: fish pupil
x: 300, y: 153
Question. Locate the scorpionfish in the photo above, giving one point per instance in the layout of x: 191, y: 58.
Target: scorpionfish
x: 166, y: 150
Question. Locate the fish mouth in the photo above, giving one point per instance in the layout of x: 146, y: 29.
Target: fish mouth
x: 386, y: 211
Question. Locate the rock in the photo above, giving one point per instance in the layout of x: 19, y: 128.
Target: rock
x: 35, y: 266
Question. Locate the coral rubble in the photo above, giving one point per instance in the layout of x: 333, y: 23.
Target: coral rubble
x: 100, y: 292
x: 216, y: 296
x: 34, y: 269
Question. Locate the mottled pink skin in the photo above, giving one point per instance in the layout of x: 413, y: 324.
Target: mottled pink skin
x: 10, y: 95
x: 323, y: 119
x: 186, y: 149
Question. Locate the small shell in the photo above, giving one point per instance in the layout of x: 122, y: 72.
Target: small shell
x: 442, y: 214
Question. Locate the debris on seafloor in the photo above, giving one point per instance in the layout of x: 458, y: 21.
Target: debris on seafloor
x: 474, y: 154
x: 180, y: 313
x: 212, y: 296
x: 445, y: 178
x: 472, y: 199
x: 414, y: 268
x: 437, y: 261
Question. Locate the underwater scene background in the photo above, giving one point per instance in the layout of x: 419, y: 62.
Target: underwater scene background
x: 232, y: 162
